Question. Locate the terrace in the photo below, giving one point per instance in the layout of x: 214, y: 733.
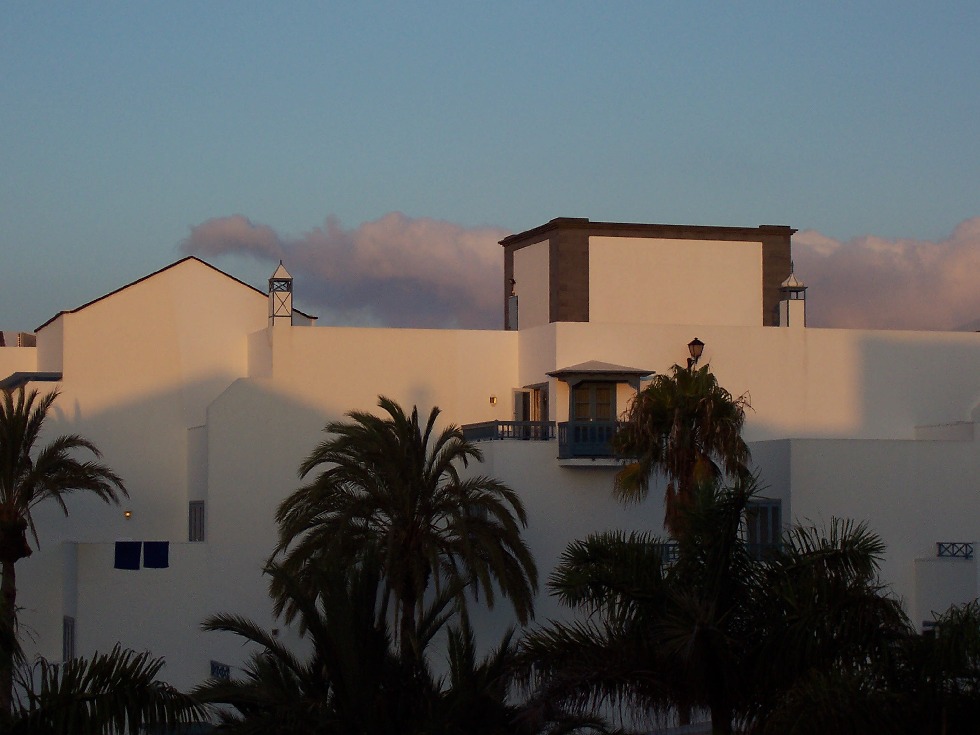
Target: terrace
x: 576, y: 439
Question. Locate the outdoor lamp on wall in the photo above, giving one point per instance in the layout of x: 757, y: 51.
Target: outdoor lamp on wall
x: 695, y: 347
x: 493, y: 400
x: 127, y: 514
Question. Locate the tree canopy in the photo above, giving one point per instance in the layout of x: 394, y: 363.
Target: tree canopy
x: 390, y: 487
x: 31, y: 474
x: 686, y: 428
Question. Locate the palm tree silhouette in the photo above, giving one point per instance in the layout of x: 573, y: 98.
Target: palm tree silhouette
x: 686, y: 428
x: 390, y: 487
x: 30, y: 475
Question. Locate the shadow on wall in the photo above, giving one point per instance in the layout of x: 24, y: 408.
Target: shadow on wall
x: 256, y: 438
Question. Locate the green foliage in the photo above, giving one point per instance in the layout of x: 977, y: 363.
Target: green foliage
x: 686, y: 428
x: 716, y: 629
x: 30, y: 475
x: 940, y: 674
x: 388, y: 535
x: 828, y: 633
x: 109, y: 694
x: 389, y: 487
x: 351, y: 682
x: 354, y: 681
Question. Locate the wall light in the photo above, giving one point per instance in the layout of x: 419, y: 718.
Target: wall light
x: 493, y: 400
x: 127, y: 514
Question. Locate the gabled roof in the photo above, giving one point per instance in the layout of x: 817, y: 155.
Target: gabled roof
x: 156, y: 273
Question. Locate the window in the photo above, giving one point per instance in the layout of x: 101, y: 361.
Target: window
x: 195, y: 520
x: 763, y: 526
x: 67, y: 638
x: 594, y: 401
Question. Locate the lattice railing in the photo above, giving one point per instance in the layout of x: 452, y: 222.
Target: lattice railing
x: 955, y: 549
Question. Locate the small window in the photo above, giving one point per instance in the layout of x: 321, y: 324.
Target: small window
x: 763, y: 526
x: 67, y: 638
x: 594, y: 401
x: 195, y: 520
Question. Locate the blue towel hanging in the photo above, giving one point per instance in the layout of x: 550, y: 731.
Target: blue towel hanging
x: 128, y: 554
x: 156, y: 554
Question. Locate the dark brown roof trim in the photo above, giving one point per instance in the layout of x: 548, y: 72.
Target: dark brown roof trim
x: 156, y: 273
x: 629, y: 229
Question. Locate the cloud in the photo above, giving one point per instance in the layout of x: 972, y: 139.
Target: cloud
x: 418, y: 272
x: 875, y: 283
x: 395, y: 271
x: 235, y: 234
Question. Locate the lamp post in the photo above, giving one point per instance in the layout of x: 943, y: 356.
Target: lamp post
x: 695, y: 347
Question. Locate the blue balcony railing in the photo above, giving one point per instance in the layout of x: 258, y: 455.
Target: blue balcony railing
x: 496, y: 430
x: 586, y: 439
x: 954, y: 549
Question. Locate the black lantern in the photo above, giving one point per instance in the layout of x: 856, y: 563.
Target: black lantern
x: 695, y: 347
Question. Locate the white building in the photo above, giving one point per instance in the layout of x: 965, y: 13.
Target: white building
x: 205, y: 394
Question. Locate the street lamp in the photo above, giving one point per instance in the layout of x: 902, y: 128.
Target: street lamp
x: 695, y: 347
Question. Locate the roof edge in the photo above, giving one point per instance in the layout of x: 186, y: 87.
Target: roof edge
x: 151, y: 275
x: 616, y: 229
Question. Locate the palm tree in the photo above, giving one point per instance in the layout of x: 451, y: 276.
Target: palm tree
x: 353, y: 681
x: 827, y: 638
x: 28, y: 476
x: 391, y: 486
x: 478, y: 697
x: 705, y: 625
x: 109, y: 694
x: 687, y: 428
x: 666, y: 622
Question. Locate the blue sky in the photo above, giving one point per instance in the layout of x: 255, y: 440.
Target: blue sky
x: 127, y: 127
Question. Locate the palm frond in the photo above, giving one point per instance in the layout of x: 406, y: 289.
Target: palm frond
x: 116, y: 692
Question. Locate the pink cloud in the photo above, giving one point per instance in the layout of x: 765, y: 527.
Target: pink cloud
x: 235, y: 234
x: 420, y: 272
x: 876, y: 283
x: 395, y: 271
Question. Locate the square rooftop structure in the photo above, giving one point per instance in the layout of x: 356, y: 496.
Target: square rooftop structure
x: 575, y: 270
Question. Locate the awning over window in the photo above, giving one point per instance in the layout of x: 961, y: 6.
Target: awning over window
x: 601, y: 371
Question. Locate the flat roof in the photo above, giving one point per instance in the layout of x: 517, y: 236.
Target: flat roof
x: 636, y: 229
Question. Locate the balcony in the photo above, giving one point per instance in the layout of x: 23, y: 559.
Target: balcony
x: 577, y: 440
x: 497, y: 430
x: 954, y: 549
x: 587, y: 439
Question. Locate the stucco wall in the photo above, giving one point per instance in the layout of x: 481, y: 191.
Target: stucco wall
x: 156, y: 610
x: 662, y: 281
x: 531, y: 272
x: 912, y: 493
x: 337, y: 369
x: 17, y: 360
x: 190, y: 396
x: 802, y: 382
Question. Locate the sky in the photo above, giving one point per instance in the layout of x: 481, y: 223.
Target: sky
x: 382, y: 149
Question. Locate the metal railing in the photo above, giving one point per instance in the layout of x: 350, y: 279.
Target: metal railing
x: 586, y: 439
x: 954, y: 549
x: 496, y: 430
x: 670, y: 551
